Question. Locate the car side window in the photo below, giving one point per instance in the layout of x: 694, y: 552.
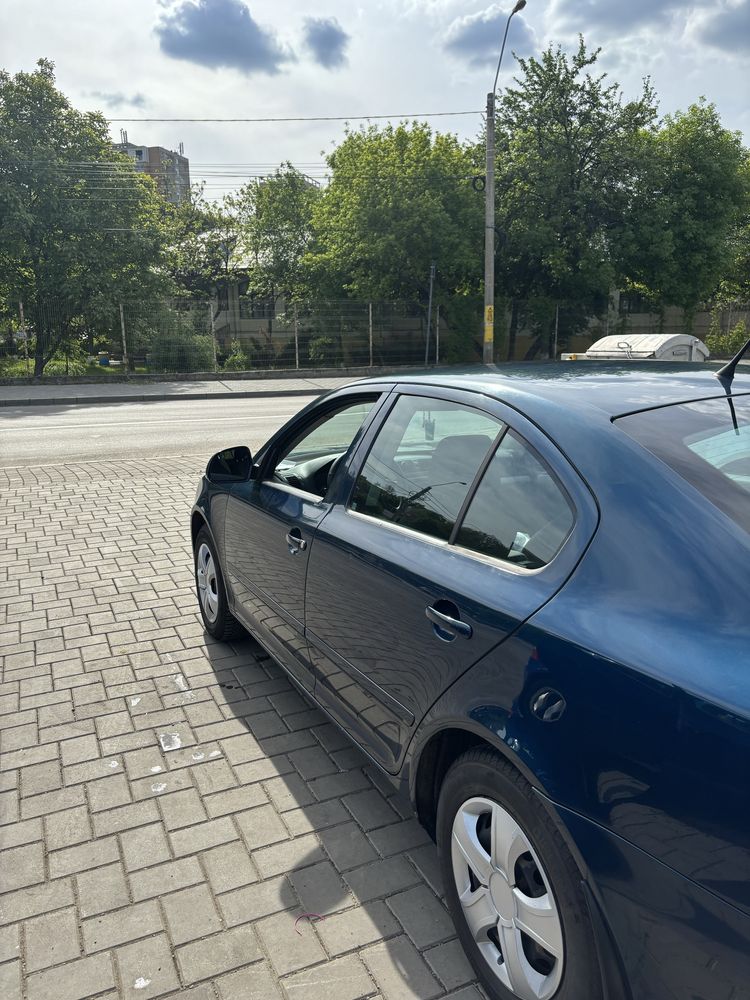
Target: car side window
x: 519, y: 512
x: 308, y: 461
x: 422, y: 464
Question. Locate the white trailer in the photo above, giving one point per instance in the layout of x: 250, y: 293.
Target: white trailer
x: 644, y: 347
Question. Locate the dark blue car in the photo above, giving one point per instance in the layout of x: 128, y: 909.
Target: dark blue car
x: 525, y: 596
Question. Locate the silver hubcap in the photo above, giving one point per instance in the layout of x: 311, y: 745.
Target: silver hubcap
x: 506, y: 899
x: 208, y: 588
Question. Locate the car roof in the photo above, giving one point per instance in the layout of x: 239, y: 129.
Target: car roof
x: 611, y: 388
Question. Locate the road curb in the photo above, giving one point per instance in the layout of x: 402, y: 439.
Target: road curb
x: 160, y: 397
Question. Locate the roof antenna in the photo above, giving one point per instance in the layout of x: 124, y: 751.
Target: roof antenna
x: 725, y: 374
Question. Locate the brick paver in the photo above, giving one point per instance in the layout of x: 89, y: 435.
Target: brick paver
x: 130, y: 869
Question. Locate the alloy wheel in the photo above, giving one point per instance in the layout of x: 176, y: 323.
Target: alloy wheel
x: 506, y: 899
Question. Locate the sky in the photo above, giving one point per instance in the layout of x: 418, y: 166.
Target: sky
x: 282, y: 59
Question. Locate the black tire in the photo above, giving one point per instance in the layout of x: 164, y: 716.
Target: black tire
x: 485, y: 774
x: 224, y: 625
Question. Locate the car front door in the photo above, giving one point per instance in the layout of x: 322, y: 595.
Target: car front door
x: 452, y: 532
x: 271, y: 521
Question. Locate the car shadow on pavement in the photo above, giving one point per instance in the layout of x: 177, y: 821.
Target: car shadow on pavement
x: 345, y: 883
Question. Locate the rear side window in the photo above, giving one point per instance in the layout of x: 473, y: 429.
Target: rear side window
x: 519, y: 513
x: 707, y: 443
x: 423, y: 463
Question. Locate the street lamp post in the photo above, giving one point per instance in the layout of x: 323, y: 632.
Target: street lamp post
x: 488, y: 352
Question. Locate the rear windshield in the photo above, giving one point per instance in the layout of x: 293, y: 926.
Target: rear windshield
x: 706, y: 444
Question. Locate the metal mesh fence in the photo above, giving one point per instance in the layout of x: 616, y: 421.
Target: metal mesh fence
x: 182, y: 336
x: 233, y: 334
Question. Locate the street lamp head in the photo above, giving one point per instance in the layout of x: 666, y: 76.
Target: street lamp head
x: 520, y: 4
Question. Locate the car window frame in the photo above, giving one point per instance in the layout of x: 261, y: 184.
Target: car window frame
x: 494, y: 443
x: 310, y: 416
x: 477, y: 484
x: 577, y: 491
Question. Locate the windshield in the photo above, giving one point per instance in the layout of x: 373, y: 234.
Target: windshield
x: 706, y: 444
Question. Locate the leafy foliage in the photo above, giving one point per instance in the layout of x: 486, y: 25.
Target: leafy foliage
x: 274, y: 225
x: 568, y: 163
x: 686, y: 231
x: 179, y: 348
x: 204, y: 241
x: 726, y: 345
x: 75, y: 216
x: 236, y: 360
x: 593, y: 192
x: 399, y: 198
x: 321, y: 350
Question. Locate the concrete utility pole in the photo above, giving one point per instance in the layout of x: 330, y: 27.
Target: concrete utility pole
x: 488, y: 353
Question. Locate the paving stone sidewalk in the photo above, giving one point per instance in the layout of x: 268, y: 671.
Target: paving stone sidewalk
x: 174, y: 817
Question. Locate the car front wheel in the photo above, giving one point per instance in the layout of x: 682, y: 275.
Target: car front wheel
x: 212, y: 597
x: 512, y: 886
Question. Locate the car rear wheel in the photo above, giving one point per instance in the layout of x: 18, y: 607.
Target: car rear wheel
x: 212, y: 597
x: 512, y: 886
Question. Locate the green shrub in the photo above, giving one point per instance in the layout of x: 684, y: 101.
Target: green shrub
x: 181, y: 351
x: 726, y: 345
x: 63, y: 366
x: 236, y: 360
x: 15, y: 367
x: 322, y: 351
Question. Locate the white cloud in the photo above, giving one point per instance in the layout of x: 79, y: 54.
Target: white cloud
x: 476, y: 38
x: 218, y: 33
x: 395, y: 63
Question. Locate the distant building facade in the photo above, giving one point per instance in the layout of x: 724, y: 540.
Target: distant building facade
x: 170, y: 170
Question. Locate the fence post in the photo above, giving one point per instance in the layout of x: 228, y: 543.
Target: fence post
x: 296, y: 338
x: 24, y: 337
x: 125, y: 363
x: 429, y: 317
x: 437, y: 334
x: 213, y: 334
x: 557, y: 324
x: 369, y: 328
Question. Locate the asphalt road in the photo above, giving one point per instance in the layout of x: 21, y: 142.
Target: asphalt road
x: 48, y: 435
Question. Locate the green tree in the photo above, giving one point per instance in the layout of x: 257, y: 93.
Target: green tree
x: 205, y: 245
x: 569, y: 156
x: 79, y: 227
x: 689, y: 235
x: 274, y: 217
x: 399, y: 198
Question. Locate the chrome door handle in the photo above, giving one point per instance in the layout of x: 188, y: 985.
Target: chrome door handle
x: 295, y: 541
x: 449, y: 624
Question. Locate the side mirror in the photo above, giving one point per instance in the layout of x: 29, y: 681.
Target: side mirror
x: 232, y: 465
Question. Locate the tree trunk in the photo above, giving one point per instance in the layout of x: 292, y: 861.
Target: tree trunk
x: 534, y: 349
x: 513, y: 330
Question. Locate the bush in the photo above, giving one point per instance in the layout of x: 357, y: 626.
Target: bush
x: 179, y: 350
x: 63, y: 366
x: 322, y: 351
x: 14, y: 367
x: 726, y: 345
x: 236, y: 360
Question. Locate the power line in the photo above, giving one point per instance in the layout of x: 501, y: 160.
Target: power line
x: 316, y: 118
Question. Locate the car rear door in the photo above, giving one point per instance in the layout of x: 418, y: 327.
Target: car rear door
x: 418, y: 570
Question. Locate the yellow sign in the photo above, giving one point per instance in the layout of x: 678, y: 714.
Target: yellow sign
x: 489, y: 314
